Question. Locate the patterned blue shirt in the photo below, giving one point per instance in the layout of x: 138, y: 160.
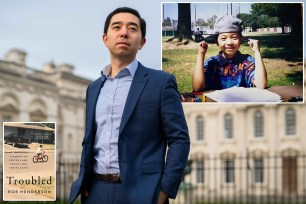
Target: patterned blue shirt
x: 109, y: 110
x: 222, y: 73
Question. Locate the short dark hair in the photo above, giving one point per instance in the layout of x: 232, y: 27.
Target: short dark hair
x: 126, y: 10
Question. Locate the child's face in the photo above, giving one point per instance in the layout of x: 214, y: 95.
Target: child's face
x: 229, y: 43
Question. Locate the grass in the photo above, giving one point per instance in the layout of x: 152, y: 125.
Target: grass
x: 282, y: 55
x: 165, y: 38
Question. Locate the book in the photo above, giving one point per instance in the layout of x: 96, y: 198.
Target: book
x: 29, y: 161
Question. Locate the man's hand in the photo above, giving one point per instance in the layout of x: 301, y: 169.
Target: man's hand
x: 183, y: 99
x: 254, y: 44
x: 162, y: 197
x: 85, y: 193
x: 202, y: 47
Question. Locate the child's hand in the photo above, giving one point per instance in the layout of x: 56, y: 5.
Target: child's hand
x: 202, y: 47
x: 254, y: 44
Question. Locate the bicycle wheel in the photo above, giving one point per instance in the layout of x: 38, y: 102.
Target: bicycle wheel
x: 35, y: 159
x: 45, y: 158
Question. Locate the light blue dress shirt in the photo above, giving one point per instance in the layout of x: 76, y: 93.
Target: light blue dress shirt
x: 109, y: 109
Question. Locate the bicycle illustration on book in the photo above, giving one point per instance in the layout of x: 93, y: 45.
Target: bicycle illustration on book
x: 40, y: 157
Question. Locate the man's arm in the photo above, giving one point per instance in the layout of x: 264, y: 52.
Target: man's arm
x: 77, y: 187
x: 176, y: 131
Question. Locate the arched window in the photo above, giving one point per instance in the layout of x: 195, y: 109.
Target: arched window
x: 290, y: 120
x: 258, y: 170
x: 258, y: 124
x: 229, y: 171
x: 9, y: 110
x: 228, y: 126
x: 200, y: 171
x: 69, y: 143
x: 200, y: 128
x: 6, y: 118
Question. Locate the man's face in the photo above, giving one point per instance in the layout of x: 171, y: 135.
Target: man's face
x: 123, y: 37
x: 229, y: 43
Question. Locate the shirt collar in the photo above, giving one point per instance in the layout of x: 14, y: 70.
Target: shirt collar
x: 132, y: 67
x: 223, y: 61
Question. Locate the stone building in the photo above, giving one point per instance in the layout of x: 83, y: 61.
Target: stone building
x: 54, y: 94
x: 246, y: 150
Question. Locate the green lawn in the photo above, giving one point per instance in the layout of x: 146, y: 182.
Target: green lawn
x: 282, y: 53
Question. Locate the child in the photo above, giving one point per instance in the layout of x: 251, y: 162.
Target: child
x: 229, y: 68
x: 39, y: 151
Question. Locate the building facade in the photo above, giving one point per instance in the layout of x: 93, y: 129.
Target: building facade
x: 244, y: 151
x: 29, y: 132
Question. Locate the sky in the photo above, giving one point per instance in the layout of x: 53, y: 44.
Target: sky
x: 70, y: 31
x: 207, y: 10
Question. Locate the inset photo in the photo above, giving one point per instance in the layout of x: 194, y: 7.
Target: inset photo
x: 29, y: 161
x: 235, y: 52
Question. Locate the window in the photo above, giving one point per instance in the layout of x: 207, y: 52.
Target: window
x: 290, y: 121
x: 258, y: 124
x: 228, y: 126
x: 258, y: 171
x: 229, y: 171
x: 200, y: 171
x: 38, y: 116
x: 200, y: 128
x: 70, y: 143
x: 6, y: 118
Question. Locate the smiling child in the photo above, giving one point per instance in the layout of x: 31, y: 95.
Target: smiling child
x: 230, y: 67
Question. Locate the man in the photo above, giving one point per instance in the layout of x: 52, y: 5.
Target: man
x: 197, y: 35
x: 133, y: 114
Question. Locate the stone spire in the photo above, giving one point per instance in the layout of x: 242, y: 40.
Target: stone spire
x: 17, y: 56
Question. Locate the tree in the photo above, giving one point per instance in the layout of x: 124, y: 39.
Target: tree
x: 50, y: 125
x: 201, y: 22
x: 255, y: 21
x: 211, y: 21
x: 184, y: 21
x: 289, y: 14
x: 249, y: 20
x: 167, y: 22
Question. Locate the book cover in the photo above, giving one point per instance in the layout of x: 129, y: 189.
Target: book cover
x: 29, y: 161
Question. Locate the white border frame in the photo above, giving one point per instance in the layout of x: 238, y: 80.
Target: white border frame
x: 55, y: 167
x: 250, y: 2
